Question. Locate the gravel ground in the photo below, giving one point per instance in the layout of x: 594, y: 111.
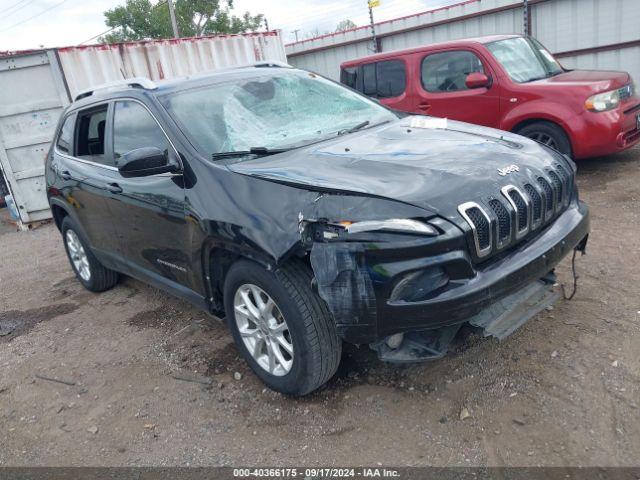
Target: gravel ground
x: 153, y: 381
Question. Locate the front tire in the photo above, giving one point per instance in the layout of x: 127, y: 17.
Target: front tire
x: 282, y: 328
x: 88, y: 269
x: 548, y: 134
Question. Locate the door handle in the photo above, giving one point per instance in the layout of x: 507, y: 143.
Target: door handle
x: 424, y: 106
x: 114, y: 188
x: 65, y: 175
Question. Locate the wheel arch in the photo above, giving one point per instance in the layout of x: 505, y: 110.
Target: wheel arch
x: 530, y: 121
x: 219, y: 257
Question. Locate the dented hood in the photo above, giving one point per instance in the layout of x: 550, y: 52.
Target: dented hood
x: 429, y: 166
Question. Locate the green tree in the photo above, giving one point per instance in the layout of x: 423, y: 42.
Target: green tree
x: 345, y: 25
x: 141, y: 19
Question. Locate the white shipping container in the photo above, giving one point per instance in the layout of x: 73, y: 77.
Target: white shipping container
x: 35, y: 87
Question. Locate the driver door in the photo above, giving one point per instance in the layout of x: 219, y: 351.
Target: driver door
x: 149, y: 214
x: 442, y: 91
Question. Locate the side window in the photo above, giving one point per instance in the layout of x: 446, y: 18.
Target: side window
x: 133, y: 128
x: 65, y: 137
x: 369, y: 79
x: 90, y: 134
x: 448, y: 71
x: 349, y: 77
x: 391, y: 78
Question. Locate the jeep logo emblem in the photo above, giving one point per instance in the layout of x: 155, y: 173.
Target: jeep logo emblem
x: 507, y: 170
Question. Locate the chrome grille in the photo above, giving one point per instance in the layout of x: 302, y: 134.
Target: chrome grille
x: 502, y: 221
x: 520, y: 206
x: 556, y: 183
x: 480, y: 224
x: 548, y: 197
x: 567, y: 186
x: 536, y: 203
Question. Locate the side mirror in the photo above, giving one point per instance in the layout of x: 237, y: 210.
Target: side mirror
x: 143, y: 162
x: 477, y: 80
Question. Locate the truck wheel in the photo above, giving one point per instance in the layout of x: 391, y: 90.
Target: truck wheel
x: 549, y: 134
x: 282, y: 328
x: 89, y: 271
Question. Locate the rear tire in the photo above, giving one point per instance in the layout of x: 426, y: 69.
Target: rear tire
x: 316, y: 348
x: 88, y: 269
x: 548, y: 134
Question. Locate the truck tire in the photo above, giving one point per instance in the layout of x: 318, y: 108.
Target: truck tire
x: 282, y: 327
x: 549, y: 134
x: 88, y: 269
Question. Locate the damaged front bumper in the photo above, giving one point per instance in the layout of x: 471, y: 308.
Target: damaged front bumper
x: 376, y: 291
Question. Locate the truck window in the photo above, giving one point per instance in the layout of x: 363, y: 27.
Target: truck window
x: 349, y: 77
x: 391, y: 78
x: 65, y: 138
x: 384, y: 79
x: 90, y: 140
x: 448, y: 71
x: 369, y: 79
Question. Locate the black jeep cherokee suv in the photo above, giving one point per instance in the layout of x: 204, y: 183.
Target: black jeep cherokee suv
x: 311, y: 215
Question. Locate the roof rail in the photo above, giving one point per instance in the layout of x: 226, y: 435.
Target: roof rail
x: 270, y: 63
x: 137, y: 82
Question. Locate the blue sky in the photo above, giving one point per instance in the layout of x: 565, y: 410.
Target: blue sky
x: 69, y: 22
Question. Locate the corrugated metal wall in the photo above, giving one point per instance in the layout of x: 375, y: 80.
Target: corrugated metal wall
x: 32, y: 96
x: 88, y: 66
x: 571, y: 28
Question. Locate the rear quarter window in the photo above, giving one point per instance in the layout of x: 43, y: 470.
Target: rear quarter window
x: 391, y: 78
x: 349, y: 77
x: 384, y: 79
x: 64, y: 143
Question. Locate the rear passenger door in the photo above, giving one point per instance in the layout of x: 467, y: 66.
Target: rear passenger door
x: 82, y: 164
x: 150, y: 211
x: 443, y: 92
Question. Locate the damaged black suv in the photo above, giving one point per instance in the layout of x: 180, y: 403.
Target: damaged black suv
x: 311, y: 215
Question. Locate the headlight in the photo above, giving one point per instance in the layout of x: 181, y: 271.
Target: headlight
x: 392, y: 225
x: 603, y: 101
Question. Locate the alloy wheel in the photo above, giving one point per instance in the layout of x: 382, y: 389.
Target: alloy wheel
x: 263, y: 329
x: 78, y: 255
x: 545, y: 139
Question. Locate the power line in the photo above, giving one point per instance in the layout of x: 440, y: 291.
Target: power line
x: 18, y: 9
x: 14, y: 5
x: 33, y: 16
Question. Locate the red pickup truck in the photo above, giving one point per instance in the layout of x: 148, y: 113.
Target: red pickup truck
x: 510, y: 82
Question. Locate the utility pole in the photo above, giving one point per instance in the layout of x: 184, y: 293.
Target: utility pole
x: 371, y: 4
x: 525, y: 17
x: 295, y: 32
x: 174, y: 23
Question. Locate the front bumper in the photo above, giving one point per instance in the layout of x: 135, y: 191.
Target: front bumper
x: 360, y: 289
x: 606, y: 133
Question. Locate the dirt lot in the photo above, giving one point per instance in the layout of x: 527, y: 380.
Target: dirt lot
x: 563, y: 390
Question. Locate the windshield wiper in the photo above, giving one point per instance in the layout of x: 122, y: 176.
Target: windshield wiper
x: 257, y: 151
x: 359, y: 126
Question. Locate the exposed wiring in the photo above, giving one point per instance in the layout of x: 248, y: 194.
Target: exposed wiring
x: 575, y: 278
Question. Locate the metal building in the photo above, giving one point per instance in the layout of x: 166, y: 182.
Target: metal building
x: 35, y: 86
x: 587, y: 34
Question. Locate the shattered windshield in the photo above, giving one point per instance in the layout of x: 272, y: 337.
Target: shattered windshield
x: 525, y: 59
x: 274, y: 111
